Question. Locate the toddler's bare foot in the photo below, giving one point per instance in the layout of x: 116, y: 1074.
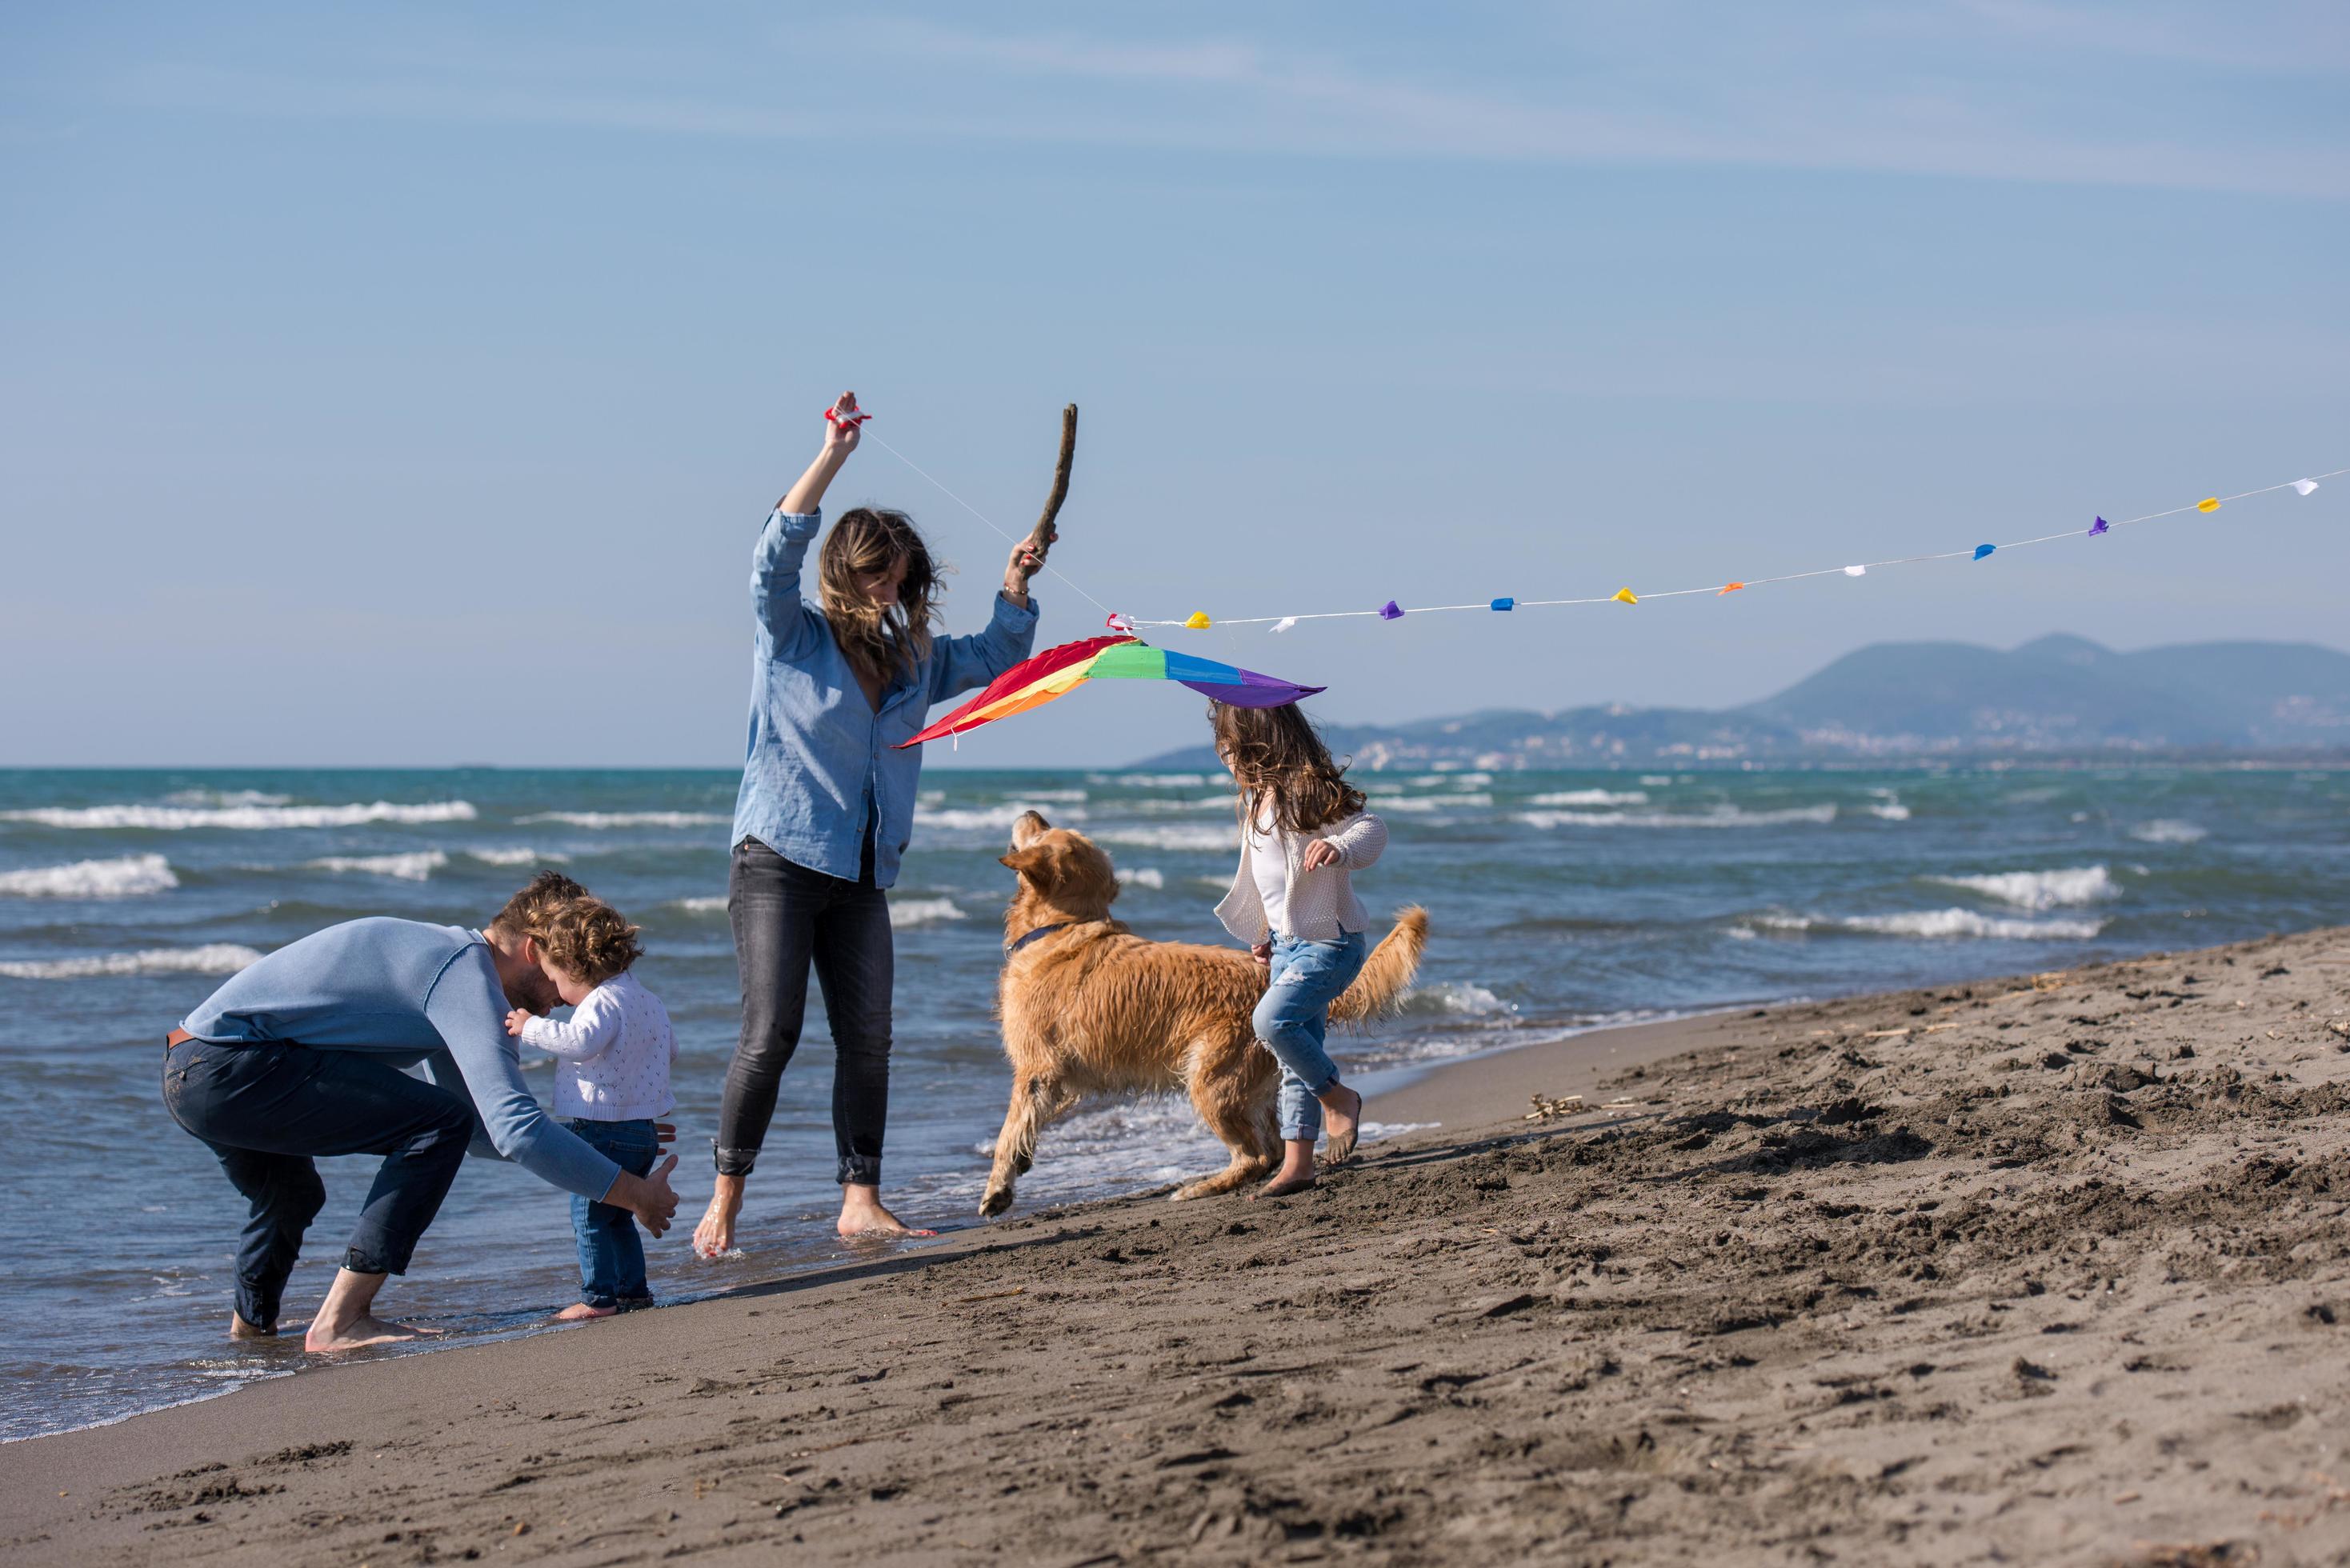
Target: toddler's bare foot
x: 240, y: 1329
x: 714, y: 1237
x: 359, y: 1333
x: 861, y: 1214
x: 579, y: 1311
x: 1342, y: 1119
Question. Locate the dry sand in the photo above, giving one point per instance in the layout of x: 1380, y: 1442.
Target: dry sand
x: 2047, y: 1271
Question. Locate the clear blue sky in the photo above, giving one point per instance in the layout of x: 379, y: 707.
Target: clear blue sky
x: 408, y: 387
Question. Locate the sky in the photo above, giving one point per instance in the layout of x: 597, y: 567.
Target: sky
x: 407, y: 386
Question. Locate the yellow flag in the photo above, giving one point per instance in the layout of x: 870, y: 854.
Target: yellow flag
x: 1199, y: 621
x: 2209, y: 503
x: 1627, y: 596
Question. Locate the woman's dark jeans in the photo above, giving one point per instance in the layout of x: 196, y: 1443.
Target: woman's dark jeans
x: 266, y: 1109
x: 786, y: 917
x: 612, y: 1253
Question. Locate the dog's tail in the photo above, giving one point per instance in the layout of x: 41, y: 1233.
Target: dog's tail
x: 1386, y: 973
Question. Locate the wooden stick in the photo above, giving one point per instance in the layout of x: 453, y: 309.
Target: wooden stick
x: 1039, y: 537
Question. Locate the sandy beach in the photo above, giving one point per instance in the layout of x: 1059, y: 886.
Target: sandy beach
x: 2050, y: 1270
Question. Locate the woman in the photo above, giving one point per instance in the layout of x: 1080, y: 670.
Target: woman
x: 827, y: 806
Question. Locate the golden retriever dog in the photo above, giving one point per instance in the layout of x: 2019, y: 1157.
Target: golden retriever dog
x: 1088, y: 1008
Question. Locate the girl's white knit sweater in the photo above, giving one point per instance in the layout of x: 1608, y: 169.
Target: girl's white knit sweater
x: 1321, y: 905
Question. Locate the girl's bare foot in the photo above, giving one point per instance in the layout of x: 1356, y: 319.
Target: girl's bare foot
x: 861, y: 1214
x: 1296, y: 1172
x: 359, y: 1333
x: 714, y: 1236
x: 1342, y: 1119
x: 580, y: 1311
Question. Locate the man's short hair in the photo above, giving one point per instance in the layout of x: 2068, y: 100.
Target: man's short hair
x: 524, y: 912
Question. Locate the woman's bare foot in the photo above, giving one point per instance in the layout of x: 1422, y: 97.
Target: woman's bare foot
x: 580, y: 1311
x: 240, y: 1329
x: 861, y: 1214
x: 714, y: 1237
x: 1342, y: 1119
x: 359, y: 1333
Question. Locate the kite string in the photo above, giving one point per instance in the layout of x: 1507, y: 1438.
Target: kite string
x: 982, y: 517
x: 1717, y: 589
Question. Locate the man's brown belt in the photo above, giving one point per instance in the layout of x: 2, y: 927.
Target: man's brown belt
x: 176, y: 1037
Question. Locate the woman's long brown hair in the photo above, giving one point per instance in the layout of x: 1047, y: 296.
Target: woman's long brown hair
x: 1275, y: 755
x: 880, y: 641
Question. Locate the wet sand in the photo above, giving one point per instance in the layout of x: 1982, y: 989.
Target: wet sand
x: 2050, y: 1270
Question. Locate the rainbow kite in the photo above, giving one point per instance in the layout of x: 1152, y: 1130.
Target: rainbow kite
x: 1055, y: 672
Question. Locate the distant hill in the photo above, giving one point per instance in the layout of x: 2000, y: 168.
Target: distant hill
x: 2058, y: 697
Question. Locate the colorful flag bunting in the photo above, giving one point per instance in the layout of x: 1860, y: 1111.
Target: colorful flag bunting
x: 1983, y: 550
x: 1627, y: 596
x: 1856, y: 571
x: 1391, y: 611
x: 1123, y: 624
x: 1199, y: 621
x: 2100, y: 527
x: 1729, y: 588
x: 1503, y: 605
x: 2209, y: 503
x: 1284, y: 623
x: 2304, y: 485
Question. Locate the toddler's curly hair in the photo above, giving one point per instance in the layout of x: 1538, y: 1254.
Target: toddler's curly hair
x: 587, y: 936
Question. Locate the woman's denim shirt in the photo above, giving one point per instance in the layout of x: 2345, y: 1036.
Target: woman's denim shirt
x: 817, y: 751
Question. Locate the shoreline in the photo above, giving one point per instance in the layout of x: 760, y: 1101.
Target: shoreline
x: 2046, y: 1266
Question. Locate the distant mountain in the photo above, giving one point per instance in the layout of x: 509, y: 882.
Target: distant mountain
x: 2058, y: 697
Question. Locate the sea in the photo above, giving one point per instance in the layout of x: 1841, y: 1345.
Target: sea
x: 1560, y: 902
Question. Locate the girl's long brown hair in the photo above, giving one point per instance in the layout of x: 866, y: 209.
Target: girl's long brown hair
x: 1275, y: 756
x: 880, y: 641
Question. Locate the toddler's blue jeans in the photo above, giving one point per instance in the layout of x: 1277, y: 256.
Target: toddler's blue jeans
x: 612, y: 1253
x: 1294, y: 1018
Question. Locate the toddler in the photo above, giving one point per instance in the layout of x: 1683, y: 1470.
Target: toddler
x: 612, y: 1079
x: 1303, y: 831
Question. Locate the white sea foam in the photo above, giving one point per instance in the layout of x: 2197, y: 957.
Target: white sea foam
x: 1150, y: 780
x: 1143, y: 876
x: 1426, y: 802
x: 2168, y: 830
x: 699, y: 905
x: 177, y: 818
x: 1938, y: 924
x: 1655, y: 781
x: 2041, y: 889
x: 1066, y: 796
x: 907, y: 913
x: 1458, y: 781
x: 521, y: 854
x: 131, y: 876
x: 415, y: 866
x: 226, y: 798
x: 1720, y: 816
x: 215, y: 958
x: 1173, y: 836
x: 976, y: 818
x: 1453, y: 999
x: 630, y: 818
x: 1592, y: 798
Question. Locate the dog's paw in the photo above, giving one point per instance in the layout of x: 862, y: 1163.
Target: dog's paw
x: 995, y: 1203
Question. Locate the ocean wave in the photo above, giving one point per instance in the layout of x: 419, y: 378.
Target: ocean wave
x: 1453, y: 999
x: 2041, y: 889
x: 1143, y: 877
x: 215, y: 958
x: 1172, y: 835
x: 179, y: 818
x: 699, y: 905
x: 226, y: 798
x: 1458, y: 781
x: 975, y: 818
x: 907, y: 913
x: 1417, y: 803
x: 1720, y: 816
x: 628, y: 819
x: 519, y: 855
x: 2169, y: 830
x: 1655, y: 781
x: 1592, y: 798
x: 1063, y: 796
x: 1937, y: 924
x: 131, y: 876
x: 1151, y: 781
x: 415, y: 866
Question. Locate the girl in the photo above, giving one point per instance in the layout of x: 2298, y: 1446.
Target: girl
x: 612, y: 1082
x: 1303, y: 831
x: 826, y: 809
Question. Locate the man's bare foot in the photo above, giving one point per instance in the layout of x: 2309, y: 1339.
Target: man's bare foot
x: 1342, y: 1119
x: 359, y: 1333
x: 240, y: 1329
x: 580, y: 1311
x: 714, y: 1237
x: 861, y: 1214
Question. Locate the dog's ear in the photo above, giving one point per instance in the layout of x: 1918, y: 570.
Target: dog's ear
x: 1028, y: 862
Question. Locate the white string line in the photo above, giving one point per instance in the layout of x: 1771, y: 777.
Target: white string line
x: 982, y: 517
x: 1717, y: 589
